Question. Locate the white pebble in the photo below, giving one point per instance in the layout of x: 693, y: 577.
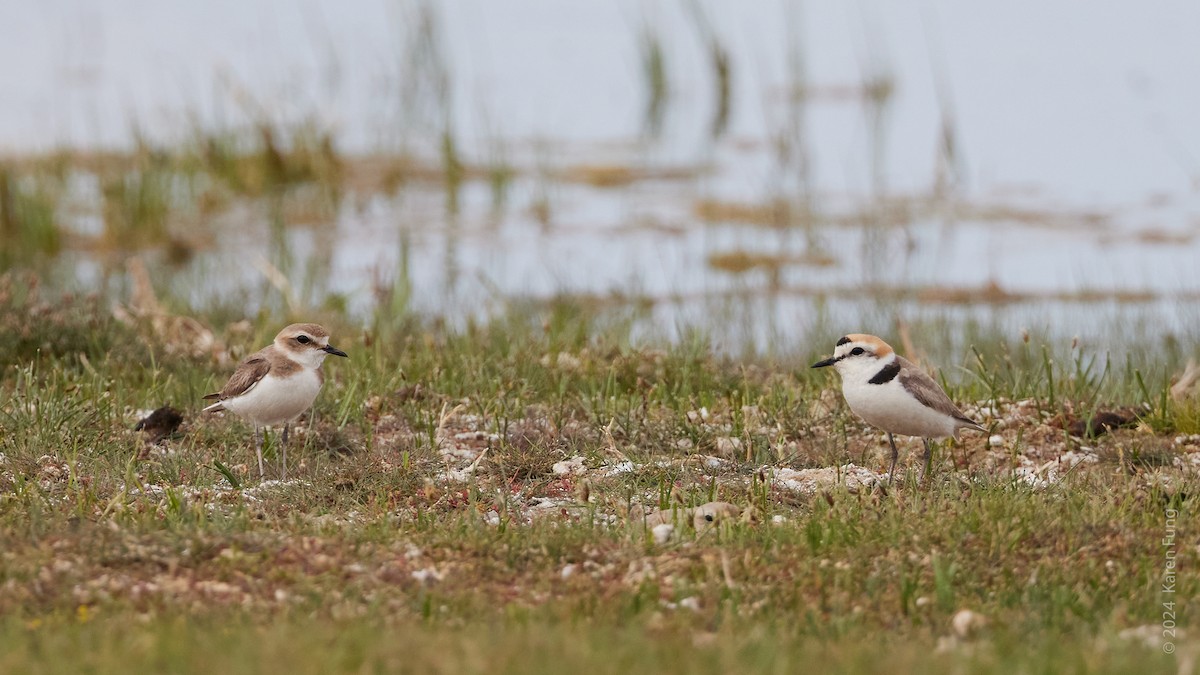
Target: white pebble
x: 662, y: 532
x: 727, y: 445
x: 569, y: 467
x: 427, y: 576
x: 966, y: 622
x: 996, y: 441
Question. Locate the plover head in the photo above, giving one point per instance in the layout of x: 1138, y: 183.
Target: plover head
x: 306, y: 344
x: 859, y: 356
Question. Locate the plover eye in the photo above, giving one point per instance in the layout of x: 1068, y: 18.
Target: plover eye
x: 708, y: 517
x: 856, y: 351
x: 303, y: 339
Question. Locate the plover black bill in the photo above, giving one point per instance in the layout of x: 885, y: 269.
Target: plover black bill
x: 276, y: 384
x: 889, y: 392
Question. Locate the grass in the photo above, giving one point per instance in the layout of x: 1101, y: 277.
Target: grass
x: 654, y: 79
x: 534, y: 647
x: 121, y: 555
x: 28, y: 218
x: 433, y: 523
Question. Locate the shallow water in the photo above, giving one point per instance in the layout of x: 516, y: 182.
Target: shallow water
x: 1075, y: 165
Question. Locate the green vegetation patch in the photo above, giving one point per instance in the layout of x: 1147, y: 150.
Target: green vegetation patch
x: 471, y: 500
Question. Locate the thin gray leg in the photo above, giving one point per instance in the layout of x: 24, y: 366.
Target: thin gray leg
x: 895, y: 454
x: 928, y: 457
x: 283, y: 449
x: 258, y: 443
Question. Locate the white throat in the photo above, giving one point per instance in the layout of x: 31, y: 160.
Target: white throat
x: 860, y: 369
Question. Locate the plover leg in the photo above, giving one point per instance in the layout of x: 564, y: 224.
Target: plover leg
x: 258, y: 443
x: 928, y: 457
x: 895, y: 454
x: 283, y: 449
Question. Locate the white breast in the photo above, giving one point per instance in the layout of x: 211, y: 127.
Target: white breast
x: 891, y: 408
x: 276, y: 400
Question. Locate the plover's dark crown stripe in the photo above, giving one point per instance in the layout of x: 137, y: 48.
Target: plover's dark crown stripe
x: 886, y: 374
x: 843, y: 341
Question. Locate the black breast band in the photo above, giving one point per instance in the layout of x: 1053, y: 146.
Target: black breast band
x: 886, y: 374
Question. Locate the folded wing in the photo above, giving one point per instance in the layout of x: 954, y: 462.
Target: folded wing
x: 249, y: 373
x: 925, y: 390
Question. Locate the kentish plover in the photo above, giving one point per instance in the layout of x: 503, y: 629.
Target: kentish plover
x: 889, y: 392
x: 277, y: 384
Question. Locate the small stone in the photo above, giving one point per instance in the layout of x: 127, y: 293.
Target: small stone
x: 996, y: 441
x: 427, y: 576
x: 569, y: 467
x: 728, y: 446
x: 966, y: 623
x: 662, y: 532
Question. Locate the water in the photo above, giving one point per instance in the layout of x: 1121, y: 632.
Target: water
x: 1074, y: 168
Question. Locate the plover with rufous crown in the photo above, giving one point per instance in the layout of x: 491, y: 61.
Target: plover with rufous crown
x: 889, y: 392
x: 276, y: 384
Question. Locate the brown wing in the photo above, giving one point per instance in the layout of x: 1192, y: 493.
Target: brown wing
x: 248, y: 373
x: 925, y: 390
